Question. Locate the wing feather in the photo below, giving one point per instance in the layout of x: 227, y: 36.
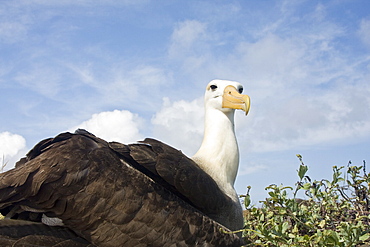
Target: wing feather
x: 184, y: 178
x: 114, y: 195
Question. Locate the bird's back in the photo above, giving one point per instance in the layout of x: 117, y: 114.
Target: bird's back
x: 111, y: 194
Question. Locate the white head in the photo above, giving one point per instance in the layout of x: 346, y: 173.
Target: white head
x: 226, y: 96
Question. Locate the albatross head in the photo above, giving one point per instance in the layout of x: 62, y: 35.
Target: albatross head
x: 226, y: 96
x: 219, y: 153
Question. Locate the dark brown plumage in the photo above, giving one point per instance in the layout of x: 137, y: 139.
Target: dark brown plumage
x: 32, y: 234
x: 111, y: 194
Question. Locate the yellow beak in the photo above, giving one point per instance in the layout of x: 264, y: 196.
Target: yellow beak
x: 234, y: 100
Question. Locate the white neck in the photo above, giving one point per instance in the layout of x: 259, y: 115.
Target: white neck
x: 219, y: 154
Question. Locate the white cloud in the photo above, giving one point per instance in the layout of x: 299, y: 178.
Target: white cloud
x: 271, y: 60
x: 42, y: 79
x: 138, y: 86
x: 364, y: 32
x: 180, y: 124
x: 121, y: 126
x: 251, y: 168
x: 186, y: 35
x: 146, y: 75
x: 11, y: 147
x: 333, y: 117
x: 11, y: 32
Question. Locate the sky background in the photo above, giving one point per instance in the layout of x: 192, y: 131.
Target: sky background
x: 131, y: 69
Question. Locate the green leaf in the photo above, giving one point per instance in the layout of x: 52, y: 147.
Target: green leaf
x: 365, y: 237
x: 306, y: 186
x: 247, y: 201
x: 285, y: 227
x: 302, y: 171
x: 322, y: 223
x: 295, y: 229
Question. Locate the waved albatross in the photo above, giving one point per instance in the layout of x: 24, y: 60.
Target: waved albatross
x: 143, y: 194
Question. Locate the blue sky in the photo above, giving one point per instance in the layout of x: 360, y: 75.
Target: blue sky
x: 131, y: 69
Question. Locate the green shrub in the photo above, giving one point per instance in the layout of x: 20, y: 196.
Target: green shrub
x: 332, y: 213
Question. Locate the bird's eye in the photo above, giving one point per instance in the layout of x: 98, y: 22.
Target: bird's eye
x: 240, y: 90
x: 213, y: 87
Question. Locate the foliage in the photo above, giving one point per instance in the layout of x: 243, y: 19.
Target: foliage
x: 333, y: 213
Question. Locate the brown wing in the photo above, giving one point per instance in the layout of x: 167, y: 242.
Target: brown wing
x: 102, y: 195
x: 183, y: 177
x: 31, y: 234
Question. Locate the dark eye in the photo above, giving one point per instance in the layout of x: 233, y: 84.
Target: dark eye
x: 240, y: 90
x: 213, y: 87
